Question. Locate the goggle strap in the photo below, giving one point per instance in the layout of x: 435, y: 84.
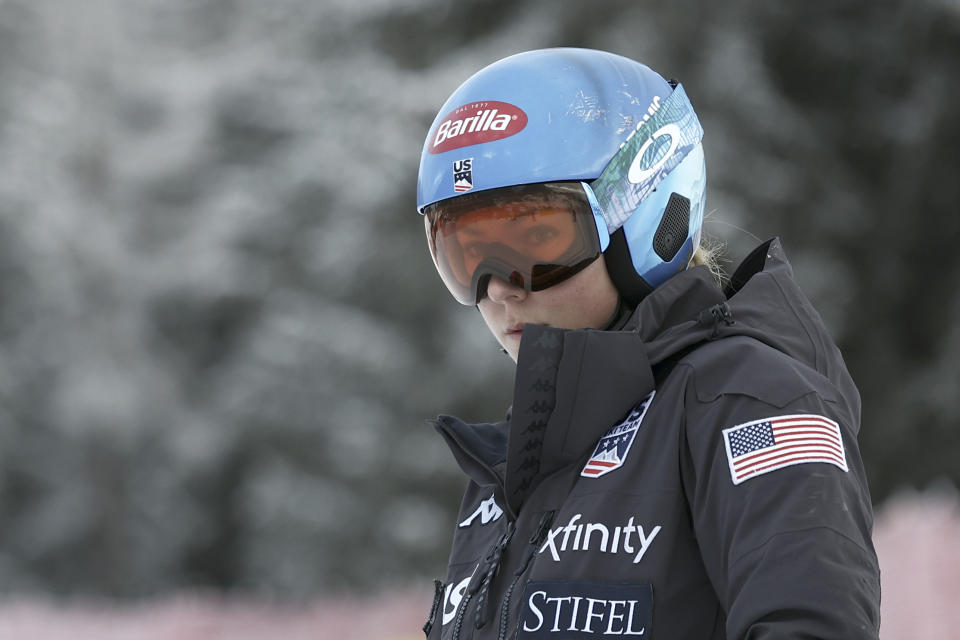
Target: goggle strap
x: 631, y: 175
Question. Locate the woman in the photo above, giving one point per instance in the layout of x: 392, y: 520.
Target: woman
x: 680, y: 459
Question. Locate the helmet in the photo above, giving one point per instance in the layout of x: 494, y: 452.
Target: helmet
x: 629, y: 138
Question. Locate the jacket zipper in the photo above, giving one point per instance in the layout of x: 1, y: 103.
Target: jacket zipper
x: 484, y: 585
x: 463, y: 609
x: 486, y: 571
x: 490, y: 570
x: 536, y: 540
x: 434, y: 608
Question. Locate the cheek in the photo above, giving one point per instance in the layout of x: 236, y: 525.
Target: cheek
x: 597, y: 301
x: 602, y: 308
x: 488, y: 312
x: 584, y: 306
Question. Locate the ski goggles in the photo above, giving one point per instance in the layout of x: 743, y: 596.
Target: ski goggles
x: 533, y: 236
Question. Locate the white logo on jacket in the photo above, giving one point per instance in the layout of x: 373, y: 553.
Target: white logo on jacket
x: 488, y: 511
x: 578, y: 536
x: 560, y: 611
x: 580, y: 609
x: 452, y: 598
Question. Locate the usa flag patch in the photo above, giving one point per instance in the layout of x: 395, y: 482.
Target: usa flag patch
x: 759, y: 447
x: 612, y: 450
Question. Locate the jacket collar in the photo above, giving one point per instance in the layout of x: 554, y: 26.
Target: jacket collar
x: 570, y: 388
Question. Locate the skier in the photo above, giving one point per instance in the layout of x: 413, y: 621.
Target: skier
x: 680, y: 459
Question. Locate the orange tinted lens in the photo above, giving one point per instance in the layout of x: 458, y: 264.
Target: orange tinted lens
x: 538, y: 235
x: 532, y: 238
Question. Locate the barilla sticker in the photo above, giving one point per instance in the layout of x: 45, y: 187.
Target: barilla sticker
x: 476, y: 123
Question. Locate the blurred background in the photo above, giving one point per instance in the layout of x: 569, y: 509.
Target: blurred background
x: 221, y: 332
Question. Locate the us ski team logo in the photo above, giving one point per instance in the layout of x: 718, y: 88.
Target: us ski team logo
x: 612, y: 450
x: 463, y: 175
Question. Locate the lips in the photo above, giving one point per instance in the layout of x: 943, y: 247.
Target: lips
x: 516, y: 328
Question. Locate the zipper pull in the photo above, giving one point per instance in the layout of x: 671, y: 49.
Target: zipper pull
x: 493, y: 565
x: 716, y: 314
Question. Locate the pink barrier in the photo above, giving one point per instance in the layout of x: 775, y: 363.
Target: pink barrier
x: 200, y: 617
x: 917, y: 538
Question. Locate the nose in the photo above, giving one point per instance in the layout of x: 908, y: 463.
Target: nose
x: 499, y: 290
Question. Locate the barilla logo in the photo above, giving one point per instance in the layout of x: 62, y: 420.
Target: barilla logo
x: 476, y: 123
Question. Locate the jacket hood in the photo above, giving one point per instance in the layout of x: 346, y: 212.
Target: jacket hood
x: 591, y: 378
x: 761, y: 301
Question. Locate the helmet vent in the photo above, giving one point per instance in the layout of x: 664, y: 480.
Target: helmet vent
x: 673, y: 229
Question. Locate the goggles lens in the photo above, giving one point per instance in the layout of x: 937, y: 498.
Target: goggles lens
x: 533, y: 236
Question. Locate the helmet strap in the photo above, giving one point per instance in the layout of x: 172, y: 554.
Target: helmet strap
x: 620, y: 316
x: 631, y: 286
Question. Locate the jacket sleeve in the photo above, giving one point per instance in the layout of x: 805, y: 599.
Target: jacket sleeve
x: 788, y: 548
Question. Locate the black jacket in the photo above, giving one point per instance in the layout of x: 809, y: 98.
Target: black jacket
x: 694, y: 475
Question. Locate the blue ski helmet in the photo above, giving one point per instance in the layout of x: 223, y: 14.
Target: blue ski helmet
x: 629, y: 138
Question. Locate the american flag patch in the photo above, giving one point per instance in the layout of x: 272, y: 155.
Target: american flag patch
x: 759, y: 447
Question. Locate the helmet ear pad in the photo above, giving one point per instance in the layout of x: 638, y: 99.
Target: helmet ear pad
x: 673, y: 228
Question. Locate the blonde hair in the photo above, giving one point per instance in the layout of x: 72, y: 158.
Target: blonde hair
x: 708, y: 254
